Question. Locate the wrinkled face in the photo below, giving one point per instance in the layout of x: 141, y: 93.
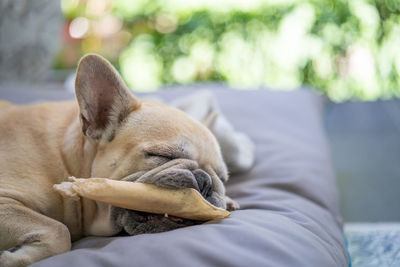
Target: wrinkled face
x: 145, y: 141
x: 153, y: 135
x: 163, y: 146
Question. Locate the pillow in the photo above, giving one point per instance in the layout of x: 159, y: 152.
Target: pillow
x: 289, y: 203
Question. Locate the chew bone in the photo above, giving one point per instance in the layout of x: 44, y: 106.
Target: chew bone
x: 185, y: 203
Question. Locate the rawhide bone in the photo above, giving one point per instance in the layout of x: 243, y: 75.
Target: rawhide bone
x: 185, y: 203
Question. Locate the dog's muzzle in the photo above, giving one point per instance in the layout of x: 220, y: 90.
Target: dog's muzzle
x: 175, y: 174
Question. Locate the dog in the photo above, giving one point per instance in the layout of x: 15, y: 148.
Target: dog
x: 108, y: 132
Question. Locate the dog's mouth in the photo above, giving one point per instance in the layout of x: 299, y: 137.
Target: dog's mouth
x: 151, y: 217
x: 137, y: 222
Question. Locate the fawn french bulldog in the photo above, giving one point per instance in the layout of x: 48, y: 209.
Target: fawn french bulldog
x: 107, y: 132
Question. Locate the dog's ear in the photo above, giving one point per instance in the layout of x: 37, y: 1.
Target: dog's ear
x: 104, y: 99
x: 210, y: 120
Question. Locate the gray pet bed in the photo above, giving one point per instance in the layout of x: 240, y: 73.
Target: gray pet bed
x: 289, y: 214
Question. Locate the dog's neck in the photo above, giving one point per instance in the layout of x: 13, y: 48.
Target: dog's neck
x: 78, y: 150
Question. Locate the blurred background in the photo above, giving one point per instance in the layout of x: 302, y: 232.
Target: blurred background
x: 345, y: 49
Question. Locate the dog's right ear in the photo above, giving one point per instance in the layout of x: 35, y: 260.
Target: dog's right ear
x: 104, y: 99
x: 210, y: 120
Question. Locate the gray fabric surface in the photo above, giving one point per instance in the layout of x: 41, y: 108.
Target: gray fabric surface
x: 289, y: 214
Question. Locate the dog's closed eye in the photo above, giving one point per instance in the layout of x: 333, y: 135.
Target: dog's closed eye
x: 164, y: 152
x: 160, y: 156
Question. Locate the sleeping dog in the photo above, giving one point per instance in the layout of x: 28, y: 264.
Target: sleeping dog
x: 107, y: 132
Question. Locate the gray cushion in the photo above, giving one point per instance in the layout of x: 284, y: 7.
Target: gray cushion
x: 289, y: 201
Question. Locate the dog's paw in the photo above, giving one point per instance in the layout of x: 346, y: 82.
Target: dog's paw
x: 231, y: 204
x: 9, y: 259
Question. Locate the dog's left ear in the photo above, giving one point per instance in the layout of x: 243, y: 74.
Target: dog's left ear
x: 104, y: 99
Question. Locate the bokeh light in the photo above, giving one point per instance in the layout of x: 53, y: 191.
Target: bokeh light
x: 78, y: 27
x: 345, y: 49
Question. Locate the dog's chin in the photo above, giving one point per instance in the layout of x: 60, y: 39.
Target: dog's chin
x: 142, y: 222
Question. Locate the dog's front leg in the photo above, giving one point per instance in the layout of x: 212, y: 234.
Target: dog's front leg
x: 28, y: 236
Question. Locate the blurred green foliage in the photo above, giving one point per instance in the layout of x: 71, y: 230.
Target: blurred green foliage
x: 347, y: 49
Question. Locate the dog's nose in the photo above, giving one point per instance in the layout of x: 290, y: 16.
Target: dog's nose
x: 177, y: 178
x: 204, y: 182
